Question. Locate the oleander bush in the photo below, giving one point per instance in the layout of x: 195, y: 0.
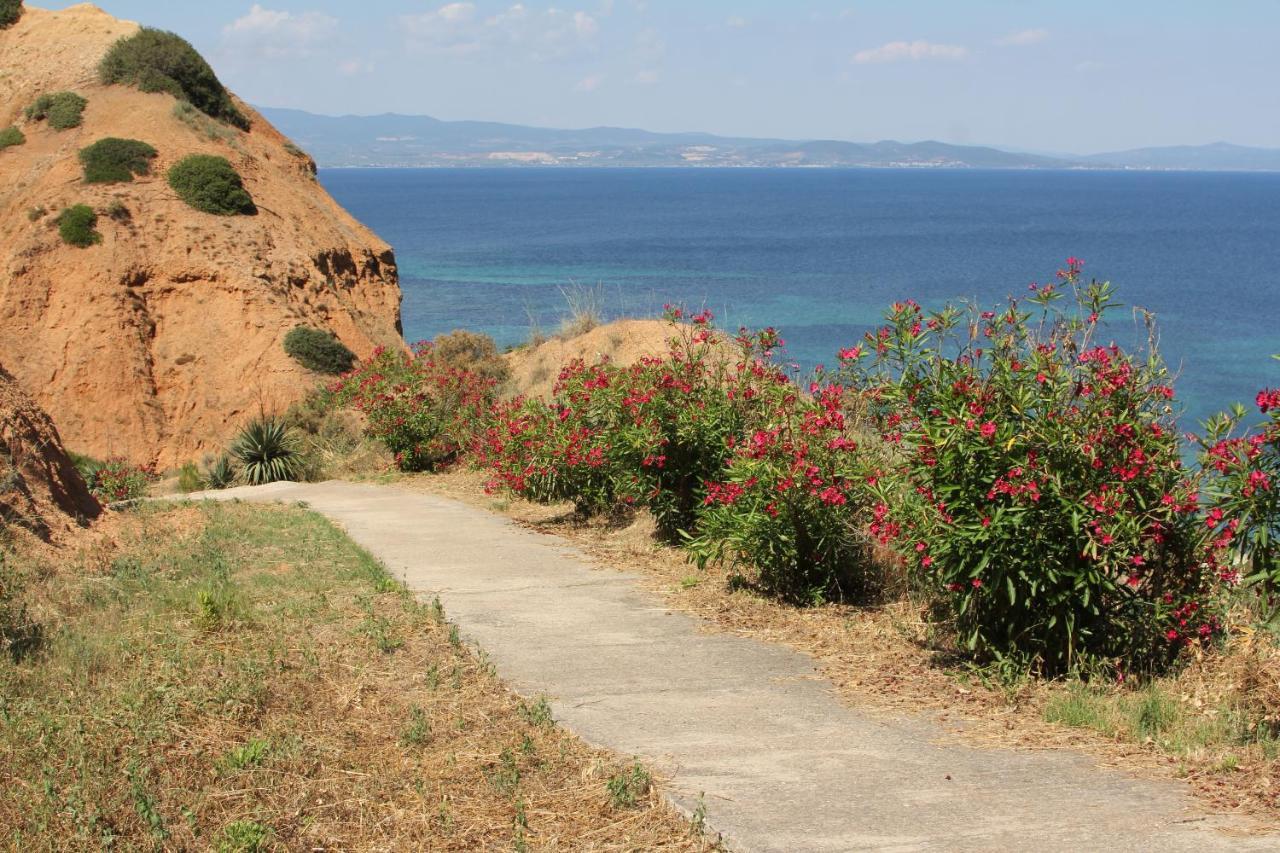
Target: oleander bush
x: 115, y: 161
x: 1014, y: 471
x: 318, y: 350
x: 211, y: 184
x: 425, y: 411
x: 158, y: 61
x: 63, y: 110
x: 652, y: 434
x: 792, y: 512
x: 119, y: 480
x: 1244, y: 499
x: 76, y: 226
x: 10, y: 12
x: 1040, y: 496
x: 10, y: 136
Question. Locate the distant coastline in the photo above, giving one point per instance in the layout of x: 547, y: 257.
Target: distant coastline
x: 399, y: 141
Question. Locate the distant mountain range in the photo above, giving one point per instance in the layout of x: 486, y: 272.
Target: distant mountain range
x: 398, y: 140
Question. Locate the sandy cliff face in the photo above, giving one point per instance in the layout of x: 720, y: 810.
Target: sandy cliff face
x: 158, y: 342
x: 40, y: 490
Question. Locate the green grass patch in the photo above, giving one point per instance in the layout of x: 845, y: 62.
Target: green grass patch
x: 212, y: 684
x: 116, y: 161
x: 1155, y: 715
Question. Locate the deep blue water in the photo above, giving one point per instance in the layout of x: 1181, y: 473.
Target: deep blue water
x: 821, y: 253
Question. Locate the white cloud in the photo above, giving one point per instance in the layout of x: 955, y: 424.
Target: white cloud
x: 274, y: 34
x: 898, y: 51
x: 736, y: 22
x: 647, y: 77
x: 456, y: 29
x: 456, y: 12
x: 1023, y: 38
x: 589, y: 83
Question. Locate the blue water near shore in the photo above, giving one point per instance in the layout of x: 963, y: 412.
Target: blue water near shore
x: 821, y: 253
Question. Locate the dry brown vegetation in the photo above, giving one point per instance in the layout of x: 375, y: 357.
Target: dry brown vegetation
x: 241, y: 678
x: 1214, y: 723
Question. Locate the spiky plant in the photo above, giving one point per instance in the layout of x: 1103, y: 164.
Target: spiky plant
x: 220, y: 474
x: 267, y: 451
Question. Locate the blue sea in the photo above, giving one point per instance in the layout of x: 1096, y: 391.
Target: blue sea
x: 821, y: 253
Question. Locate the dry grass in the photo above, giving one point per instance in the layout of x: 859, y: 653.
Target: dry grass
x: 1214, y: 723
x: 239, y: 678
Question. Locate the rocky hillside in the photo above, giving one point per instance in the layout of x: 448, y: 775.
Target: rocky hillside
x: 40, y: 489
x: 159, y: 337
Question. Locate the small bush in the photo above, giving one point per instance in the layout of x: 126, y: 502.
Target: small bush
x: 473, y: 352
x: 652, y: 434
x: 424, y: 411
x: 37, y: 213
x: 119, y: 480
x: 116, y: 210
x: 212, y: 185
x: 76, y: 225
x: 11, y: 136
x: 63, y: 110
x: 10, y: 12
x: 267, y: 452
x: 158, y: 61
x: 189, y: 479
x: 318, y: 350
x: 115, y: 161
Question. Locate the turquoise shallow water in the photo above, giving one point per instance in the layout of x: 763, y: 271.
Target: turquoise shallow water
x: 821, y: 253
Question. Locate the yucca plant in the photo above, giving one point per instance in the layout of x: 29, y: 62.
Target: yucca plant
x: 267, y: 451
x: 220, y: 473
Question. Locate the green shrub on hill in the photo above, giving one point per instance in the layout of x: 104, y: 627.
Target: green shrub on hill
x: 116, y: 161
x: 318, y: 350
x: 158, y: 61
x: 212, y: 185
x: 63, y: 110
x: 11, y: 136
x: 10, y: 12
x: 76, y: 225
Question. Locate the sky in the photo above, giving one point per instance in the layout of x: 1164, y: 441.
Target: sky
x: 1083, y: 76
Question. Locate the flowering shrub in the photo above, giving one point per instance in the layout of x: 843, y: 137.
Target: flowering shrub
x: 1244, y: 491
x: 792, y: 503
x: 425, y: 411
x: 651, y: 434
x: 119, y: 480
x: 1047, y: 510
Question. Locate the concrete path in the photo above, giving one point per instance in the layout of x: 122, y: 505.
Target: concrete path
x: 782, y: 764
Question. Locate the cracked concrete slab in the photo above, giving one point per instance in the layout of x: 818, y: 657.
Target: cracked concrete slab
x: 745, y: 727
